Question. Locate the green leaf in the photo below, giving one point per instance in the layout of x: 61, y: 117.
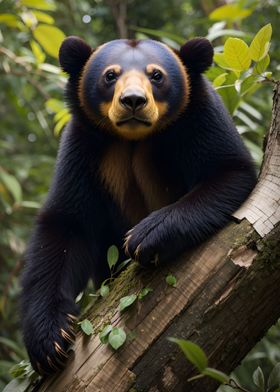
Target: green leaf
x: 9, y: 20
x: 112, y: 256
x: 59, y: 115
x: 37, y: 51
x: 196, y: 377
x: 230, y: 12
x: 260, y: 45
x: 104, y: 290
x: 219, y: 80
x: 171, y: 280
x: 54, y: 105
x: 87, y: 327
x: 223, y: 33
x: 236, y: 54
x: 12, y: 346
x: 61, y: 123
x: 49, y: 37
x: 43, y: 17
x: 50, y: 68
x: 262, y: 65
x: 29, y: 19
x: 11, y: 184
x: 193, y: 353
x: 117, y: 337
x: 122, y: 265
x: 127, y: 301
x: 274, y: 377
x: 247, y: 84
x: 216, y: 375
x: 22, y: 369
x: 219, y: 59
x: 145, y: 291
x: 104, y: 334
x: 258, y: 378
x: 39, y: 4
x: 213, y: 72
x: 17, y: 385
x: 29, y: 204
x: 229, y: 94
x: 267, y: 74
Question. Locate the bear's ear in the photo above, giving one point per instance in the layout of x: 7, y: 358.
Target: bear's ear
x: 197, y: 54
x: 73, y: 54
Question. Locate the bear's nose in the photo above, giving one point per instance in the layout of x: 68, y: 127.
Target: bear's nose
x: 133, y: 100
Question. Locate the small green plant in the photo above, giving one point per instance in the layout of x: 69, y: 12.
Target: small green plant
x: 114, y: 336
x: 198, y: 358
x: 86, y: 326
x: 171, y: 280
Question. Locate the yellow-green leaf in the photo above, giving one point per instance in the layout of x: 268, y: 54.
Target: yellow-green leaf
x: 43, y: 17
x: 9, y: 20
x: 236, y: 54
x: 46, y: 5
x: 262, y: 65
x: 49, y: 37
x: 192, y: 352
x: 60, y: 114
x: 247, y: 84
x: 260, y: 45
x: 50, y: 68
x: 37, y: 51
x: 230, y: 12
x: 54, y: 105
x: 267, y: 74
x: 28, y: 19
x: 229, y: 94
x: 219, y: 59
x: 219, y: 80
x: 11, y: 184
x: 61, y: 123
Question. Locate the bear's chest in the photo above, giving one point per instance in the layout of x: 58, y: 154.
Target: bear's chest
x: 138, y: 181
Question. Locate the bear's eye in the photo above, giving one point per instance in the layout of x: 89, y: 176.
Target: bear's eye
x: 111, y: 76
x: 157, y: 76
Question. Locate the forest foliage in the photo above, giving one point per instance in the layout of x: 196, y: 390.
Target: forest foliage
x: 244, y: 34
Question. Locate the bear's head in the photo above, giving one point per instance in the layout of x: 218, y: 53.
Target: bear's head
x: 133, y: 88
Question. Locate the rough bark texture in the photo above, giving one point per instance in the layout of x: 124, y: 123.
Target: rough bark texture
x: 227, y: 296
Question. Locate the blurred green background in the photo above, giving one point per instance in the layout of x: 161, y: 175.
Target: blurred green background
x: 33, y: 114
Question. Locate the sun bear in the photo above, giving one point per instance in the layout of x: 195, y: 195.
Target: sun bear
x: 150, y: 161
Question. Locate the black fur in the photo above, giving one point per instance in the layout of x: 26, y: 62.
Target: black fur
x: 73, y: 54
x: 79, y: 221
x: 197, y: 54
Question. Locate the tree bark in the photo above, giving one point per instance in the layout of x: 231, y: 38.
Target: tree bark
x: 226, y: 297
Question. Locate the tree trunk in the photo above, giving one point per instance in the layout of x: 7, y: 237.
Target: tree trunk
x: 226, y: 297
x: 119, y: 11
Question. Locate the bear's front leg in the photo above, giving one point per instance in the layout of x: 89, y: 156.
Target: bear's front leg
x: 152, y: 240
x: 167, y: 232
x: 58, y: 265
